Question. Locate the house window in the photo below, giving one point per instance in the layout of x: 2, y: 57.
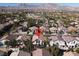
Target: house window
x: 74, y: 41
x: 63, y: 46
x: 57, y: 44
x: 37, y: 41
x: 72, y: 46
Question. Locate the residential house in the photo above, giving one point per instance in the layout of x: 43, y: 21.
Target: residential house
x: 38, y: 40
x: 26, y: 37
x: 55, y: 40
x: 41, y: 52
x: 23, y: 53
x: 53, y: 30
x: 52, y: 40
x: 32, y: 29
x: 11, y: 37
x: 25, y: 24
x: 15, y: 52
x: 70, y: 53
x: 77, y: 41
x: 2, y: 53
x: 70, y: 41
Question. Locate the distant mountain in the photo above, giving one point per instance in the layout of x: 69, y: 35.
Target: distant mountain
x: 48, y: 6
x: 40, y: 5
x: 43, y: 6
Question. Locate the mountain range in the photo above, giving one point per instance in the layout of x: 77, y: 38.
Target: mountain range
x: 48, y: 6
x: 45, y: 6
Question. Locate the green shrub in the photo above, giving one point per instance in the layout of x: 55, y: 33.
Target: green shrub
x: 55, y: 51
x: 77, y: 50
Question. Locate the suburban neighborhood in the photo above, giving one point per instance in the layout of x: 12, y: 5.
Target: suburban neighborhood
x: 39, y: 31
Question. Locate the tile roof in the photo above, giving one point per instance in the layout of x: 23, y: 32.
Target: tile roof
x: 1, y: 53
x: 41, y: 52
x: 23, y: 53
x: 68, y: 38
x: 70, y: 54
x: 54, y: 37
x: 25, y: 37
x: 10, y: 37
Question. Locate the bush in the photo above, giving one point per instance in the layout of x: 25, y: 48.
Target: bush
x: 12, y: 43
x: 55, y: 51
x: 77, y: 50
x: 7, y: 43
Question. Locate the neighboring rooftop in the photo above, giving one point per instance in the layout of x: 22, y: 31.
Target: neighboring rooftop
x: 23, y: 53
x: 41, y: 52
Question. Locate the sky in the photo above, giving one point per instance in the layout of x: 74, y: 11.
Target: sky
x: 65, y: 4
x: 8, y: 4
x: 71, y: 4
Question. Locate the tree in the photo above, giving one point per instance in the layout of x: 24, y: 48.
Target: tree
x: 29, y: 47
x: 77, y: 50
x: 13, y: 43
x: 46, y: 42
x: 55, y: 51
x: 40, y: 22
x: 31, y: 22
x: 7, y: 43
